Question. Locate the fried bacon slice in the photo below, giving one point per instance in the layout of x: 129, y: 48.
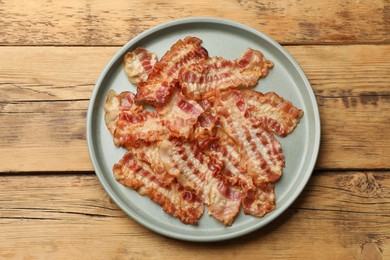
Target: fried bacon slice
x: 149, y: 154
x: 258, y: 202
x: 262, y: 151
x: 119, y: 104
x: 174, y: 199
x: 206, y: 127
x: 180, y: 114
x: 196, y: 171
x: 157, y: 88
x: 138, y: 64
x: 203, y: 79
x: 270, y: 111
x: 223, y: 148
x: 132, y: 125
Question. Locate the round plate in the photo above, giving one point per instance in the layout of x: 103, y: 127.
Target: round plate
x: 221, y: 38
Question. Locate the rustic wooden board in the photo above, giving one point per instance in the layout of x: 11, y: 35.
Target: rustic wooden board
x: 72, y: 22
x: 53, y: 216
x: 44, y: 95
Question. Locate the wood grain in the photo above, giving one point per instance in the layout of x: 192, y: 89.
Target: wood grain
x: 71, y: 22
x: 44, y: 95
x: 340, y: 215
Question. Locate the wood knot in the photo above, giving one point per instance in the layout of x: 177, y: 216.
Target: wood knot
x: 363, y: 183
x: 371, y: 250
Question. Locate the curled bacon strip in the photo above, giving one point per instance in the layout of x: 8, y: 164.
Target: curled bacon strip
x: 262, y: 151
x: 138, y: 64
x: 157, y: 88
x: 129, y: 123
x: 204, y: 79
x: 173, y: 198
x: 256, y: 200
x: 195, y: 171
x: 132, y: 125
x: 272, y: 112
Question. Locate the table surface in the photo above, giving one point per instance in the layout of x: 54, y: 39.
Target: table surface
x: 51, y: 202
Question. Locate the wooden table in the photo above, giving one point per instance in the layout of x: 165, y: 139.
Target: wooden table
x: 52, y: 205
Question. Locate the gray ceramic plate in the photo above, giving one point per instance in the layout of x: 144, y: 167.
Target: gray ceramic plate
x: 221, y: 38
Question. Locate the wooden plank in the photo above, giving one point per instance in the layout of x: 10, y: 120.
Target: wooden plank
x: 43, y: 104
x: 71, y: 22
x: 339, y: 215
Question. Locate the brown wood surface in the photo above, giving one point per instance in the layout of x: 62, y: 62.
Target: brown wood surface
x: 52, y: 206
x: 73, y: 22
x: 339, y: 215
x: 47, y: 108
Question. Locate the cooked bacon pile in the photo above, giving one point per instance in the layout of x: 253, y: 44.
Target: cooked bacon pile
x: 209, y: 141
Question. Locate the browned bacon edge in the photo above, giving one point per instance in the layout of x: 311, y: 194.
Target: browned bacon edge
x: 138, y: 64
x: 157, y: 88
x: 207, y: 77
x: 174, y: 199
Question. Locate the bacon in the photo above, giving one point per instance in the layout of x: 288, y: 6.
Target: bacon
x: 270, y: 111
x: 205, y: 127
x: 180, y: 114
x: 204, y: 79
x: 174, y: 198
x: 157, y: 88
x: 196, y: 171
x: 149, y: 154
x: 132, y: 125
x: 209, y: 140
x: 117, y: 105
x: 223, y: 148
x: 138, y: 64
x: 258, y: 202
x: 262, y: 151
x: 137, y: 129
x: 129, y: 123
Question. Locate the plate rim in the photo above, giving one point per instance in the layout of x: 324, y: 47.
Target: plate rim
x: 189, y: 237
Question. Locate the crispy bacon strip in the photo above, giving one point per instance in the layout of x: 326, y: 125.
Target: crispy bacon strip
x: 157, y: 88
x: 129, y: 123
x: 197, y: 172
x: 223, y: 148
x: 138, y: 129
x: 204, y: 79
x: 132, y: 125
x: 149, y: 154
x: 262, y: 151
x: 116, y: 105
x: 174, y: 199
x: 256, y: 200
x: 272, y: 112
x: 138, y: 64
